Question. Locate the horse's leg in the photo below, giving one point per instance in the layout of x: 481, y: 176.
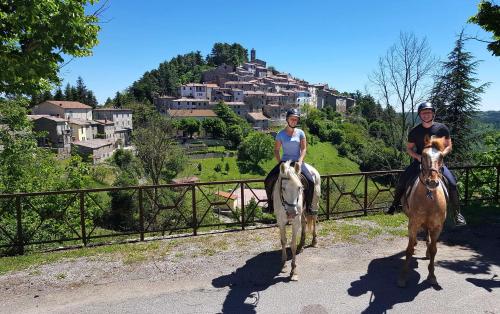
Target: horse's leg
x: 302, y: 233
x: 314, y: 241
x: 434, y: 235
x: 410, y: 249
x: 283, y: 247
x: 295, y: 229
x: 428, y: 243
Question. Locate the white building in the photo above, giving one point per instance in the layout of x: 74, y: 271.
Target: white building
x: 64, y: 109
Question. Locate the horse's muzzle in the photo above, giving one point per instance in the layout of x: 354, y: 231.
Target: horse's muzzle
x: 431, y: 184
x: 291, y: 212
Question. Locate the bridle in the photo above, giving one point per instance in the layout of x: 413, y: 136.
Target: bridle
x: 429, y: 171
x: 284, y: 202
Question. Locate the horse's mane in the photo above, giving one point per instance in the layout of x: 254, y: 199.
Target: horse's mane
x: 434, y: 141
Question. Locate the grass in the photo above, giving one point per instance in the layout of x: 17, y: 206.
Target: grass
x: 128, y: 253
x: 367, y: 227
x: 323, y: 156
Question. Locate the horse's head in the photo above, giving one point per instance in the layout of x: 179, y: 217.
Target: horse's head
x: 291, y: 189
x: 432, y: 161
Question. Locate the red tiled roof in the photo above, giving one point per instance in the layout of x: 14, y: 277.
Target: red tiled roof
x: 258, y: 116
x: 68, y: 104
x: 226, y: 195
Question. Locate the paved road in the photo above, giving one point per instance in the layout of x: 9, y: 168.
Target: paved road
x: 338, y: 279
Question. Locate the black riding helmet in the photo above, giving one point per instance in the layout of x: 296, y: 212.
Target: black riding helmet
x: 290, y: 113
x: 426, y: 105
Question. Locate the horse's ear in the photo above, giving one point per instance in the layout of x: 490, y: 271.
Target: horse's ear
x: 282, y: 167
x: 427, y: 140
x: 297, y: 168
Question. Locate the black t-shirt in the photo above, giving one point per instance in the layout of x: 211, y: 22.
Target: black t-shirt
x: 418, y: 133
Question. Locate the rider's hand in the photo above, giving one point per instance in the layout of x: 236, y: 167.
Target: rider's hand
x: 419, y: 158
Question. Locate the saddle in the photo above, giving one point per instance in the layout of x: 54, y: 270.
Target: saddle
x: 411, y: 183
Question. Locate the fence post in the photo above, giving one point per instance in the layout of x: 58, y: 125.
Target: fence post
x: 82, y: 217
x: 141, y: 214
x: 365, y: 201
x: 242, y: 187
x: 466, y: 196
x: 193, y: 203
x: 328, y: 198
x: 19, y: 236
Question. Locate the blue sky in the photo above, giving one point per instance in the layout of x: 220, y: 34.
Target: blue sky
x: 337, y: 42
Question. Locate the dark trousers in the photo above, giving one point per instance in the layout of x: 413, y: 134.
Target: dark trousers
x: 411, y: 172
x: 272, y: 177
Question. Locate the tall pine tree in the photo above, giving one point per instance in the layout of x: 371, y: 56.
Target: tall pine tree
x: 457, y: 98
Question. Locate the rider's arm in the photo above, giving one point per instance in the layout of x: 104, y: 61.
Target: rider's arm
x: 303, y: 150
x: 448, y: 146
x: 409, y: 150
x: 277, y: 147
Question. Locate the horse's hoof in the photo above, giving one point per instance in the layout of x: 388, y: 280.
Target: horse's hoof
x: 432, y: 281
x: 401, y: 283
x: 314, y: 244
x: 284, y: 268
x: 294, y: 277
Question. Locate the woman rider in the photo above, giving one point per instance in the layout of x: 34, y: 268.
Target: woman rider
x: 294, y: 144
x: 414, y: 148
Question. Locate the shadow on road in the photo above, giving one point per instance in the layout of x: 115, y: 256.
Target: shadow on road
x: 258, y: 274
x: 380, y: 281
x: 483, y: 240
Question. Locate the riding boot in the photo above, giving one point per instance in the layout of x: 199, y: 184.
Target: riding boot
x: 398, y: 193
x: 269, y: 186
x: 455, y: 206
x: 309, y: 196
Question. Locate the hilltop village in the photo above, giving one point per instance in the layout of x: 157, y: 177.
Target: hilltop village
x: 254, y: 91
x: 259, y: 94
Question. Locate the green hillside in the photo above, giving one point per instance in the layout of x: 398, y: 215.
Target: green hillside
x: 323, y: 156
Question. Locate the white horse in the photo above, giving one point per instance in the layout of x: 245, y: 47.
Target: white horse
x: 288, y: 198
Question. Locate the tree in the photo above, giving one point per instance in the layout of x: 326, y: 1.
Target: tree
x: 457, y: 99
x: 190, y: 126
x: 24, y: 167
x: 123, y: 204
x: 160, y: 155
x: 35, y: 37
x: 68, y: 92
x: 214, y: 126
x: 256, y: 147
x: 488, y: 17
x: 234, y: 54
x: 217, y: 168
x: 235, y: 135
x: 402, y: 74
x: 59, y: 95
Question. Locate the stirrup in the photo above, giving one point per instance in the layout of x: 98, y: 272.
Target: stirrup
x: 459, y: 220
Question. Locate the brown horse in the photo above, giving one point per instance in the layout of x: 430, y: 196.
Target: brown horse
x: 425, y: 205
